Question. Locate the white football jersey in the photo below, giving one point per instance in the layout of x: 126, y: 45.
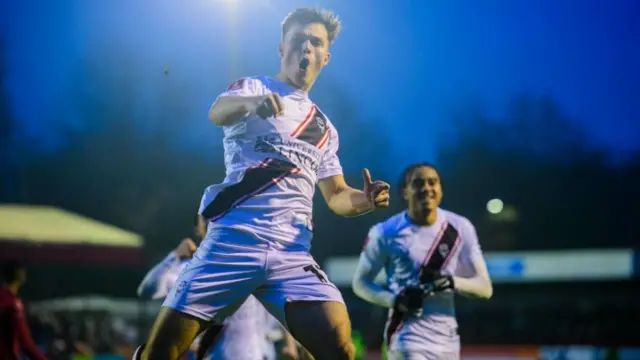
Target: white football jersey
x: 401, y: 248
x: 272, y: 166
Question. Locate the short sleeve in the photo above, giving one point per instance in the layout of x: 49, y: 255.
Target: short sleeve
x: 243, y: 87
x: 374, y: 250
x: 470, y: 249
x: 330, y: 163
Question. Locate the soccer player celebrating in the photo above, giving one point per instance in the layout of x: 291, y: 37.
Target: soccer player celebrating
x: 243, y: 334
x: 429, y: 254
x: 278, y: 144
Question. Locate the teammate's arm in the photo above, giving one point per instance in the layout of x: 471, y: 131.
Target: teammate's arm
x: 472, y: 277
x: 347, y: 201
x: 155, y: 285
x: 479, y: 286
x: 371, y: 261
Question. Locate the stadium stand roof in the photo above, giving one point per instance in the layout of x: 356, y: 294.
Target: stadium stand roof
x: 51, y: 225
x: 48, y: 234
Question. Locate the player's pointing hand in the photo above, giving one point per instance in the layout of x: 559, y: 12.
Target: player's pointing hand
x: 377, y: 191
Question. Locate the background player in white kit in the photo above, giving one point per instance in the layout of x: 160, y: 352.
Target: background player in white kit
x: 280, y: 345
x: 428, y: 254
x: 244, y: 334
x: 278, y: 145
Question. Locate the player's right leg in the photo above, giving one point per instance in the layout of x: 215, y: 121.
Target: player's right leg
x: 171, y: 335
x: 212, y: 286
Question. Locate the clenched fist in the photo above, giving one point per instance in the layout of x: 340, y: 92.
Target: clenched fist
x: 186, y: 249
x: 267, y: 106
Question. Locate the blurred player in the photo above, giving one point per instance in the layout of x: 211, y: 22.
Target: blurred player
x: 278, y: 145
x: 288, y: 348
x: 243, y: 334
x: 429, y: 254
x: 14, y: 332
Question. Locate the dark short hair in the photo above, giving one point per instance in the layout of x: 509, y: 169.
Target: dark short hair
x: 408, y: 172
x: 10, y: 270
x: 305, y: 16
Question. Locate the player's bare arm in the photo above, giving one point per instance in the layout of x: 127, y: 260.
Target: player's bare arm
x: 228, y: 110
x: 479, y: 285
x: 365, y: 286
x: 349, y: 202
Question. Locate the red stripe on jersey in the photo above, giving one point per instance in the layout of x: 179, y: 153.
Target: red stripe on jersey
x: 303, y: 125
x: 323, y: 139
x: 262, y: 163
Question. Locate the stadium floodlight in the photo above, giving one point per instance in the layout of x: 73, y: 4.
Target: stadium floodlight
x: 495, y: 206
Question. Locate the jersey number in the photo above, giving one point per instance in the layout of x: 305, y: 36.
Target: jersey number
x: 315, y: 269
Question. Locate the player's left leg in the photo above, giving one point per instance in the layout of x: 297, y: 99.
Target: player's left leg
x: 302, y: 298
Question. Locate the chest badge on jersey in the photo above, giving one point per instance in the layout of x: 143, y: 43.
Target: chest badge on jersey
x: 443, y: 249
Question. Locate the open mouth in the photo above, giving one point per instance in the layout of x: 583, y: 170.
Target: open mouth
x: 304, y: 64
